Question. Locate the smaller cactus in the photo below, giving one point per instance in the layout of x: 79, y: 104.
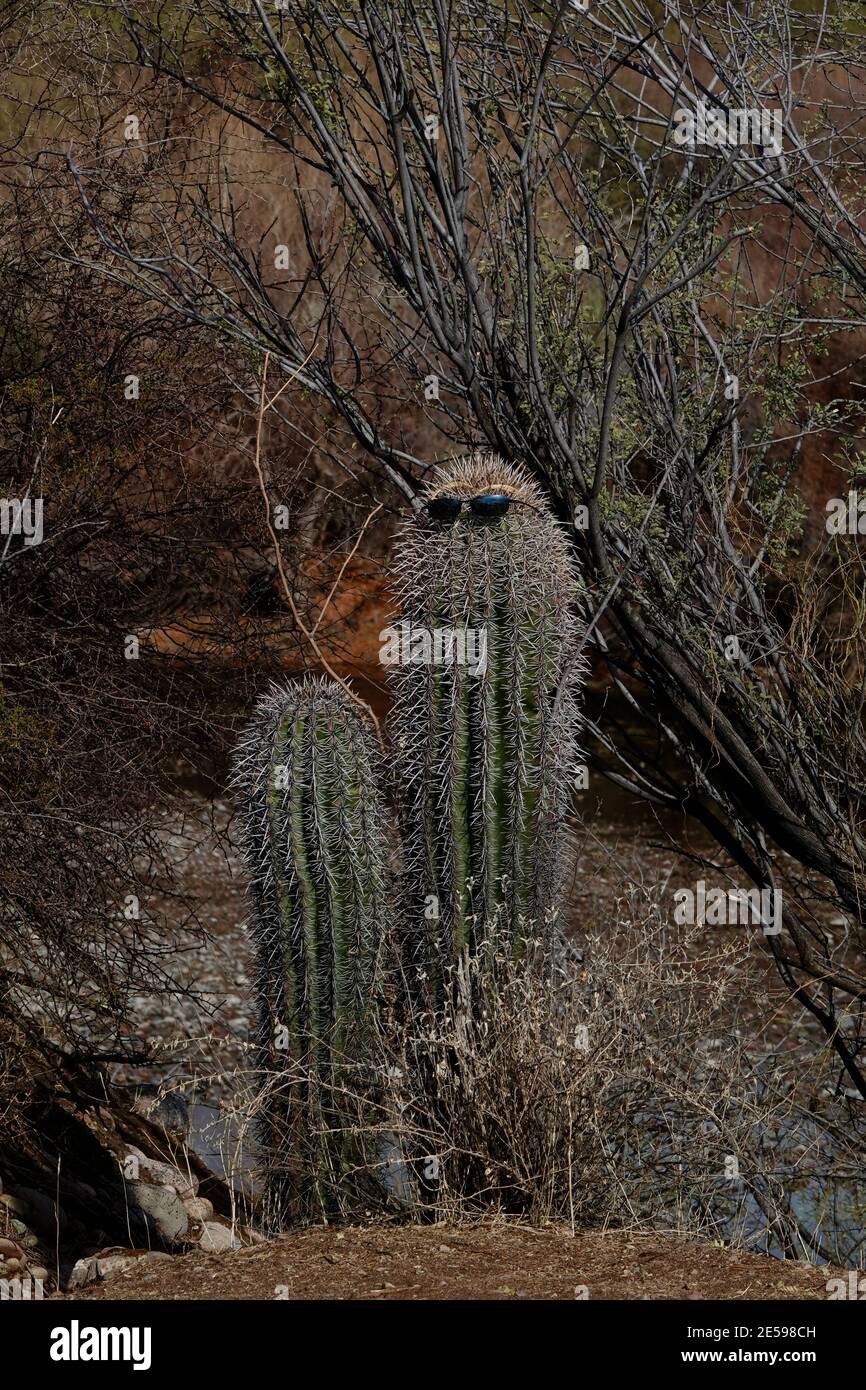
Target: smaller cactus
x: 313, y: 829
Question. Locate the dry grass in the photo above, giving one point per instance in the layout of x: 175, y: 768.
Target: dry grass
x: 614, y: 1089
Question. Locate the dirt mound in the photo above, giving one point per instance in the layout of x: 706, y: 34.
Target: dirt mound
x: 485, y: 1262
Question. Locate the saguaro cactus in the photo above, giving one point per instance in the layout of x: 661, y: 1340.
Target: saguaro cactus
x: 314, y: 840
x: 485, y: 745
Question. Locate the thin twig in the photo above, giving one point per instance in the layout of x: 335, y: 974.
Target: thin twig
x: 287, y: 588
x: 344, y: 565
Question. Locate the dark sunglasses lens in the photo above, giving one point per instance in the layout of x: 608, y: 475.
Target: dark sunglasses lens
x: 444, y: 508
x: 490, y: 504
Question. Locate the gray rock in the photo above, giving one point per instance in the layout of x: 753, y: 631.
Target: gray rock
x: 166, y: 1175
x: 84, y: 1272
x: 171, y: 1110
x: 199, y: 1208
x: 215, y: 1239
x: 114, y: 1264
x: 107, y: 1264
x: 163, y: 1208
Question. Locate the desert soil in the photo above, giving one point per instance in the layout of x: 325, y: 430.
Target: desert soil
x: 486, y: 1262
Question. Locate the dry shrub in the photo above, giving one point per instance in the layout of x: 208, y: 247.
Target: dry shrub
x: 616, y: 1087
x: 612, y: 1087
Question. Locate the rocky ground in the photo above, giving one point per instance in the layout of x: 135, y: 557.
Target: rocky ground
x: 155, y: 1195
x: 485, y: 1262
x: 201, y: 1041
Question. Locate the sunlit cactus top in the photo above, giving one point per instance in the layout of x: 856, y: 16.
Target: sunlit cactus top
x: 474, y: 474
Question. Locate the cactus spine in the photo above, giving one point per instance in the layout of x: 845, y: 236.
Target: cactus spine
x: 314, y: 841
x: 486, y: 755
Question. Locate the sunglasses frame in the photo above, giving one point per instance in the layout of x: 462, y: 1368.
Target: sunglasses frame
x: 468, y: 501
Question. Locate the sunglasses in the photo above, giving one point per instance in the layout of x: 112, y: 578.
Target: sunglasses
x: 488, y: 505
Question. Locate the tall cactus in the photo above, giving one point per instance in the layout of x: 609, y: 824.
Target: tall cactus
x: 485, y: 746
x: 313, y: 830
